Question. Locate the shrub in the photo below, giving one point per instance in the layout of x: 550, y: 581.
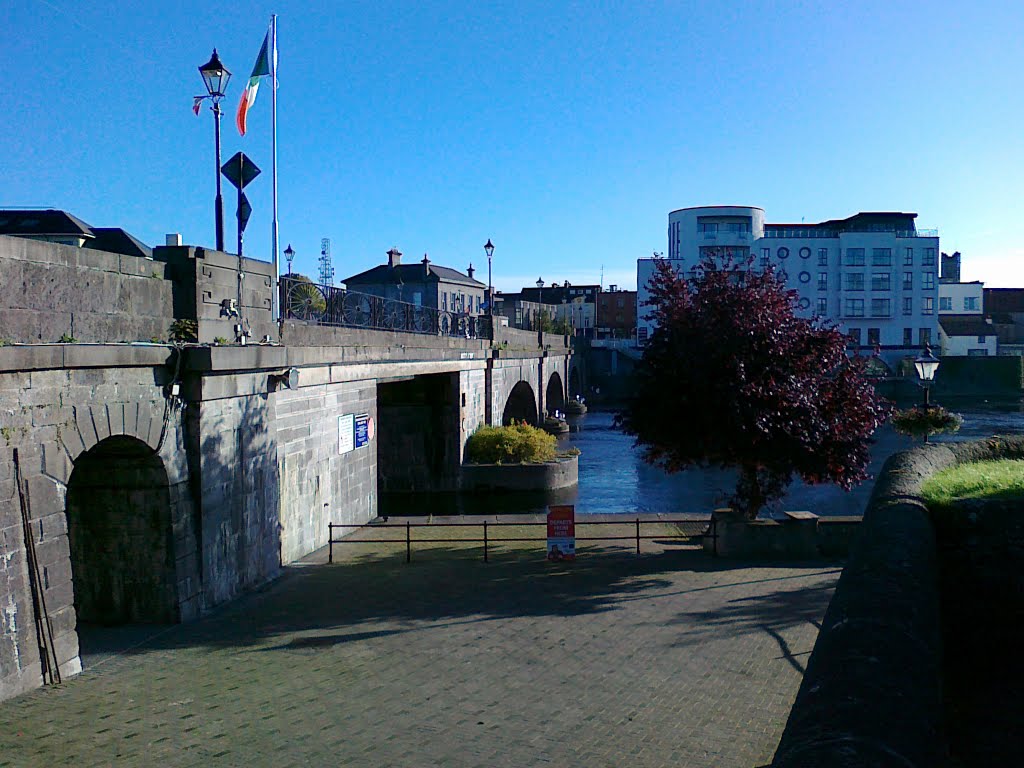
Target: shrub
x: 922, y: 422
x: 516, y: 444
x: 183, y: 330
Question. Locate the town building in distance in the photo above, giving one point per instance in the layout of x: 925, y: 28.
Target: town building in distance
x: 874, y: 274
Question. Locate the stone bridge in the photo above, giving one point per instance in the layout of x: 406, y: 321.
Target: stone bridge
x: 153, y: 481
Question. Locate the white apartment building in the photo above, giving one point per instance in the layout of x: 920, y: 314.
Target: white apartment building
x: 873, y: 274
x: 963, y: 328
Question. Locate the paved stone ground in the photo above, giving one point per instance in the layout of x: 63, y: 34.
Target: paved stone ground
x: 668, y: 659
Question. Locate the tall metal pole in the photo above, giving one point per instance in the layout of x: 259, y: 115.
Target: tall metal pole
x: 490, y: 291
x: 275, y: 294
x: 219, y: 210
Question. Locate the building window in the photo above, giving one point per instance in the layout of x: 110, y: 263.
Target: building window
x: 823, y: 257
x: 880, y: 281
x: 908, y: 257
x: 908, y: 281
x: 855, y: 307
x: 766, y: 254
x: 929, y: 258
x: 881, y: 257
x: 805, y: 253
x: 805, y: 303
x: 853, y: 281
x: 874, y: 336
x: 880, y: 308
x: 444, y: 301
x: 783, y: 275
x: 805, y: 277
x: 823, y: 281
x: 971, y: 304
x: 977, y: 352
x: 783, y: 253
x: 854, y: 257
x: 981, y: 339
x: 928, y: 281
x: 908, y: 305
x: 641, y: 334
x: 945, y: 303
x: 853, y: 335
x: 822, y: 306
x: 928, y: 305
x: 924, y: 336
x: 908, y: 337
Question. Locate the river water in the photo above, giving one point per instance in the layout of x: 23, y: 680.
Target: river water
x: 614, y: 479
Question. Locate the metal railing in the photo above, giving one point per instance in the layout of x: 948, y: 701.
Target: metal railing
x: 317, y: 304
x: 697, y: 529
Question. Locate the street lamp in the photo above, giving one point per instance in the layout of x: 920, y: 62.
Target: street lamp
x: 289, y: 255
x: 215, y: 77
x: 489, y: 250
x: 926, y: 365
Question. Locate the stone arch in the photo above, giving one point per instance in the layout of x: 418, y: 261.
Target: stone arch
x: 521, y: 405
x: 554, y: 394
x: 120, y: 533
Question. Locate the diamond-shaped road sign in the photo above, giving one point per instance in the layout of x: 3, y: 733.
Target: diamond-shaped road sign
x: 244, y: 211
x: 240, y: 170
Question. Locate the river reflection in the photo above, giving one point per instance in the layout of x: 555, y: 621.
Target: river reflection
x: 614, y: 479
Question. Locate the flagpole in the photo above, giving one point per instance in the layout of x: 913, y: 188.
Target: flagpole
x: 275, y: 305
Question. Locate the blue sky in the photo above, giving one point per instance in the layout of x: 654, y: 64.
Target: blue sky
x: 563, y: 132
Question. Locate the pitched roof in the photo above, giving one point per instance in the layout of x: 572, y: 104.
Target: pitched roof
x: 966, y: 325
x: 116, y: 240
x: 43, y: 223
x: 413, y: 273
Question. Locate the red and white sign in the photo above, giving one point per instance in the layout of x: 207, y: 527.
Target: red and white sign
x: 562, y: 532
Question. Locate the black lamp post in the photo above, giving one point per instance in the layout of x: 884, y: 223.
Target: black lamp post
x: 926, y: 365
x: 216, y: 77
x: 289, y: 255
x: 489, y: 250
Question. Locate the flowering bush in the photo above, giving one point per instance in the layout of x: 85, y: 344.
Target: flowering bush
x: 922, y: 422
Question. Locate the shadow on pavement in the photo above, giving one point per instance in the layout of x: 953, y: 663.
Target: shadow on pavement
x: 451, y: 584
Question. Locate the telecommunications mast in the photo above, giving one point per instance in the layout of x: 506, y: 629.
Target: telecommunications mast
x: 326, y: 267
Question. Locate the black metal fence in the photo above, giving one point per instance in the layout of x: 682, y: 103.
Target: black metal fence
x: 326, y: 305
x: 685, y: 530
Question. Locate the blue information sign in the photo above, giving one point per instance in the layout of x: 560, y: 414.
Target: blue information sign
x: 363, y: 429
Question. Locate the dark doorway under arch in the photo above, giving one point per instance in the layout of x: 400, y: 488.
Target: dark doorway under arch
x: 121, y: 536
x: 521, y: 405
x: 554, y: 395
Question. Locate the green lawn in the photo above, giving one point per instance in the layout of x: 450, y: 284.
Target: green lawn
x: 1003, y: 479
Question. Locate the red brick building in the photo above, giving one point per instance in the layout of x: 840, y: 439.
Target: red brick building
x: 616, y: 313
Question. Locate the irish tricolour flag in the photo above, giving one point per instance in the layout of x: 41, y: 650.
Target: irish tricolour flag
x: 265, y: 66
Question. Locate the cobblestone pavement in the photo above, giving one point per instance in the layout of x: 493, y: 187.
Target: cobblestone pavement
x: 672, y: 658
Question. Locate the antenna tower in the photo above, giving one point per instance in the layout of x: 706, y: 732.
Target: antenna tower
x: 602, y: 277
x: 326, y: 267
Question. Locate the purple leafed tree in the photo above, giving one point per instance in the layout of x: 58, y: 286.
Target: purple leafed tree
x: 733, y: 377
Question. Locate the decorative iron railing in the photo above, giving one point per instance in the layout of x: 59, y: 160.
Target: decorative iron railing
x: 326, y: 305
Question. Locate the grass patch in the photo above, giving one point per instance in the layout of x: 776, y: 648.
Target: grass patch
x: 1002, y: 479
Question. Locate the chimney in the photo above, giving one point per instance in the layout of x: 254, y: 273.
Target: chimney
x: 949, y: 268
x: 613, y: 288
x: 394, y: 257
x: 426, y: 265
x: 172, y: 239
x: 470, y: 271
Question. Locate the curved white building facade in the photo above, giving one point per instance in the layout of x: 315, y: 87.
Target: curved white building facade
x: 874, y: 274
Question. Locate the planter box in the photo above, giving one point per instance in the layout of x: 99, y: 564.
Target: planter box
x: 800, y: 535
x: 561, y: 473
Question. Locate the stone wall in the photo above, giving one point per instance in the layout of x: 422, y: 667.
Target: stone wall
x: 318, y: 484
x: 58, y: 418
x: 873, y: 691
x: 56, y: 290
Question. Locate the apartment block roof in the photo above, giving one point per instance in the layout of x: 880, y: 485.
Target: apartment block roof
x: 966, y: 325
